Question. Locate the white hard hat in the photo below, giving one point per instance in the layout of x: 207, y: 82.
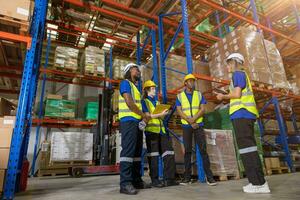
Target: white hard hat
x: 236, y: 56
x: 129, y: 66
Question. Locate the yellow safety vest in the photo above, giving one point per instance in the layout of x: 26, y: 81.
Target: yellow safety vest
x: 154, y: 125
x: 190, y: 110
x: 124, y: 110
x: 246, y: 101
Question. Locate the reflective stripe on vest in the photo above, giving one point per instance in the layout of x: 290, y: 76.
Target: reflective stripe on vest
x: 154, y: 125
x: 124, y: 110
x: 248, y: 150
x: 246, y: 101
x: 190, y: 110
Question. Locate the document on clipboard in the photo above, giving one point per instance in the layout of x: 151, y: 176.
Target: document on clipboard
x: 160, y: 108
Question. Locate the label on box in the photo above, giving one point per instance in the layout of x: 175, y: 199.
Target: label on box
x: 224, y: 40
x: 8, y: 121
x: 22, y: 11
x: 232, y: 33
x: 60, y: 61
x: 211, y: 141
x: 236, y: 47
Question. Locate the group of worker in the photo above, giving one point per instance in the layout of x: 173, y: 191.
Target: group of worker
x: 136, y: 114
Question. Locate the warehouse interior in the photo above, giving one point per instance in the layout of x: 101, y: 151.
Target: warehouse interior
x: 61, y: 64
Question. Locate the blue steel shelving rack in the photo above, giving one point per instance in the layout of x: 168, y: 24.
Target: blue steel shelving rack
x: 20, y: 137
x: 29, y: 84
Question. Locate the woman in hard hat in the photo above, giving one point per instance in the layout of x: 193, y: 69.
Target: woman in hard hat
x: 190, y: 107
x: 243, y: 114
x: 158, y: 142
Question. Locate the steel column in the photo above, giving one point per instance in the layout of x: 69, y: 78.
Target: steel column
x: 37, y: 134
x: 187, y: 41
x: 110, y: 66
x: 218, y: 22
x: 270, y: 26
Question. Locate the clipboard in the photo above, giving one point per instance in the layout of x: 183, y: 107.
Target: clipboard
x: 160, y: 108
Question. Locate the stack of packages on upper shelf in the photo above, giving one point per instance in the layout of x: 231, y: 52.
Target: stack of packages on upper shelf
x: 93, y: 61
x: 66, y: 58
x: 263, y: 62
x: 118, y: 66
x: 56, y: 107
x: 7, y: 124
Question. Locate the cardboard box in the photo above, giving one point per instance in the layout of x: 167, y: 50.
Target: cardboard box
x: 5, y: 137
x: 6, y: 106
x: 19, y: 9
x: 4, y: 155
x: 2, y: 177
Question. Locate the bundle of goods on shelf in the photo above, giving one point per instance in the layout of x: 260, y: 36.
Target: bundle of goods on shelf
x: 256, y: 52
x: 6, y: 130
x: 93, y: 61
x: 91, y: 110
x: 66, y: 58
x: 220, y: 119
x: 118, y: 65
x: 56, y: 107
x: 71, y: 146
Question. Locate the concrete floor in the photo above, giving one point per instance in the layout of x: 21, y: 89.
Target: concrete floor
x: 285, y: 186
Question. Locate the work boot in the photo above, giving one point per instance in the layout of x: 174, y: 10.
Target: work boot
x: 141, y: 185
x: 171, y: 182
x: 211, y: 181
x: 128, y: 189
x: 157, y: 183
x: 186, y: 181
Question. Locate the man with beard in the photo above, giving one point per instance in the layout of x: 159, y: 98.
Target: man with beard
x: 130, y: 114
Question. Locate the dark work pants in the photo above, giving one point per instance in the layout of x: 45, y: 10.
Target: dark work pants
x: 199, y: 137
x: 160, y: 145
x: 130, y: 158
x: 244, y: 131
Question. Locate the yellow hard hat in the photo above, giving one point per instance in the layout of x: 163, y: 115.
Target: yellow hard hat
x: 189, y: 76
x: 149, y: 83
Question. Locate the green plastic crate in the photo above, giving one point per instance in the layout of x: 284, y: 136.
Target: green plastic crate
x: 91, y: 110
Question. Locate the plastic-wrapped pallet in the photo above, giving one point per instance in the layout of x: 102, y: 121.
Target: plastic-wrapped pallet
x: 250, y: 44
x: 221, y: 152
x: 71, y: 146
x: 276, y: 66
x: 94, y: 60
x: 118, y: 66
x: 66, y: 57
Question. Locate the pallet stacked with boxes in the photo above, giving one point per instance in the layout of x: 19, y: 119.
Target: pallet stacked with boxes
x: 6, y: 130
x: 263, y: 62
x: 93, y: 61
x: 65, y: 58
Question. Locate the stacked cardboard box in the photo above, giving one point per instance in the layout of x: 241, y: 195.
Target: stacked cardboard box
x: 6, y: 130
x: 6, y: 107
x: 118, y: 66
x: 221, y: 152
x: 220, y: 119
x: 71, y: 146
x: 263, y: 62
x: 58, y: 107
x: 91, y: 110
x: 276, y: 66
x: 93, y: 61
x: 18, y: 9
x: 66, y: 57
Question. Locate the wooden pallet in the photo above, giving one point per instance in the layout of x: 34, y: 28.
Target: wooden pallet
x: 71, y: 163
x: 65, y: 69
x: 60, y: 118
x: 21, y: 25
x: 279, y: 170
x: 52, y: 172
x: 226, y: 177
x: 90, y: 73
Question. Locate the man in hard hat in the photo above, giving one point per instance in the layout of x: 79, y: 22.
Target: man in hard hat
x: 190, y: 107
x: 130, y: 114
x: 158, y: 141
x: 243, y: 113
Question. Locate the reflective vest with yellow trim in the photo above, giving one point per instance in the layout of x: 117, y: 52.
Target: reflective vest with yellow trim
x: 190, y: 110
x: 124, y: 110
x: 246, y: 101
x: 154, y: 125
